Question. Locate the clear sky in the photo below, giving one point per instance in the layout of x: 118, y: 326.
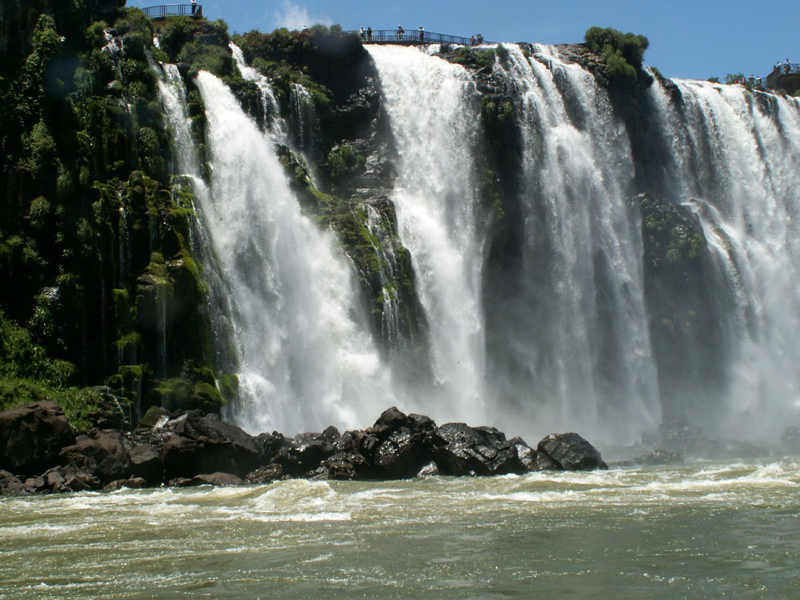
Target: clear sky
x: 691, y: 39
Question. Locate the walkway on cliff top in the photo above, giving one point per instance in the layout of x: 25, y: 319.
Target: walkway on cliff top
x: 414, y: 37
x: 378, y: 36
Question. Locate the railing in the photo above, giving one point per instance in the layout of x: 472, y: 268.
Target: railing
x: 393, y: 36
x: 786, y: 69
x: 173, y: 10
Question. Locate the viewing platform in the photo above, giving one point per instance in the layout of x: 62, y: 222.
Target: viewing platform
x: 414, y: 37
x: 785, y: 76
x: 173, y: 10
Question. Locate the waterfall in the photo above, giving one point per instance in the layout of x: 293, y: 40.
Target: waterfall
x: 433, y: 108
x: 736, y: 155
x: 269, y: 103
x: 558, y: 335
x: 575, y: 349
x: 388, y: 269
x: 305, y: 357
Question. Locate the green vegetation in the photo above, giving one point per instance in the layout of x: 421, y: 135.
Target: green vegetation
x: 622, y: 53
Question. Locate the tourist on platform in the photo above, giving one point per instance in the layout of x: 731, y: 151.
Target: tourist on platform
x: 369, y: 34
x: 194, y: 6
x: 472, y: 40
x: 363, y: 35
x: 421, y: 34
x: 400, y: 32
x: 480, y: 39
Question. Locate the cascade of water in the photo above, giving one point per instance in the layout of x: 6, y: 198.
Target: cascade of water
x: 737, y: 156
x: 433, y: 108
x: 574, y: 330
x: 269, y: 103
x: 388, y: 269
x: 306, y: 360
x: 124, y: 247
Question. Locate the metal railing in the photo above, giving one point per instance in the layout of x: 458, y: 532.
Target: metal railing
x: 786, y: 69
x: 173, y: 10
x: 394, y: 36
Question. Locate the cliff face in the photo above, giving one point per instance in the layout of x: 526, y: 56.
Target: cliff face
x: 105, y: 276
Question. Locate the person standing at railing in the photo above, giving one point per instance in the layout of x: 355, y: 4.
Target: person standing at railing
x: 194, y: 7
x: 421, y: 33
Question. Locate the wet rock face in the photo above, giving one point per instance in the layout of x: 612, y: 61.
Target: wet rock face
x: 570, y: 452
x: 31, y: 437
x: 102, y: 454
x: 463, y: 450
x: 200, y: 449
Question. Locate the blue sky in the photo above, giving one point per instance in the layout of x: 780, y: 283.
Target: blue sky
x: 692, y: 39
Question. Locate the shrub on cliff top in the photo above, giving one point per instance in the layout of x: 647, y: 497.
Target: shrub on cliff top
x: 622, y: 52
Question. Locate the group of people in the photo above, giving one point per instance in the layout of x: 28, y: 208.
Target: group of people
x: 476, y: 40
x: 366, y: 35
x: 786, y: 68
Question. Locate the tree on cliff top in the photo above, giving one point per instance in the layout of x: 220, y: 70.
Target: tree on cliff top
x: 623, y: 53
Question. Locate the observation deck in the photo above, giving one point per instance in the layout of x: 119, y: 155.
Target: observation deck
x: 163, y: 11
x: 414, y: 37
x: 785, y: 76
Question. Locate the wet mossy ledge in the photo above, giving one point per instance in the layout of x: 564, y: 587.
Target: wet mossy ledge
x: 40, y: 452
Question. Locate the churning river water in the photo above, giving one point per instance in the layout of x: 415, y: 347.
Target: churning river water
x: 702, y: 530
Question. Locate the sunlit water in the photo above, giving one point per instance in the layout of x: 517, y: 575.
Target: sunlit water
x: 699, y: 531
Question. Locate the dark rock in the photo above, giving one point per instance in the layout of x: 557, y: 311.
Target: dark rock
x: 265, y: 474
x: 201, y: 443
x: 102, y: 455
x: 463, y: 450
x: 530, y: 458
x: 10, y: 485
x: 134, y: 483
x: 146, y: 463
x: 79, y: 482
x: 31, y: 437
x: 217, y: 479
x: 304, y: 453
x: 570, y: 452
x: 54, y: 478
x: 347, y: 466
x: 269, y: 444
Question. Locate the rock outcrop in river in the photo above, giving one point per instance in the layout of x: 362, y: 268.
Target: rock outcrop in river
x: 39, y: 454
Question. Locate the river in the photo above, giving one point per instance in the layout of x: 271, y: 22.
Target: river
x: 701, y: 530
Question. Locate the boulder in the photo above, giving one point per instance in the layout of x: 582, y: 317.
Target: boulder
x: 133, y: 483
x: 31, y: 437
x: 402, y: 444
x: 463, y: 450
x: 266, y: 474
x: 10, y: 485
x: 198, y: 443
x: 530, y: 458
x: 304, y: 453
x: 146, y: 463
x: 101, y: 455
x: 348, y: 466
x: 216, y: 479
x: 570, y: 452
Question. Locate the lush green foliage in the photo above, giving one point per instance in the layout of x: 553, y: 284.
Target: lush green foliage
x: 623, y: 53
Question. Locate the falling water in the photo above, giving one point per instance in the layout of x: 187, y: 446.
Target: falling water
x: 736, y: 155
x: 306, y: 359
x: 433, y: 107
x: 575, y: 337
x: 388, y: 270
x: 269, y: 103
